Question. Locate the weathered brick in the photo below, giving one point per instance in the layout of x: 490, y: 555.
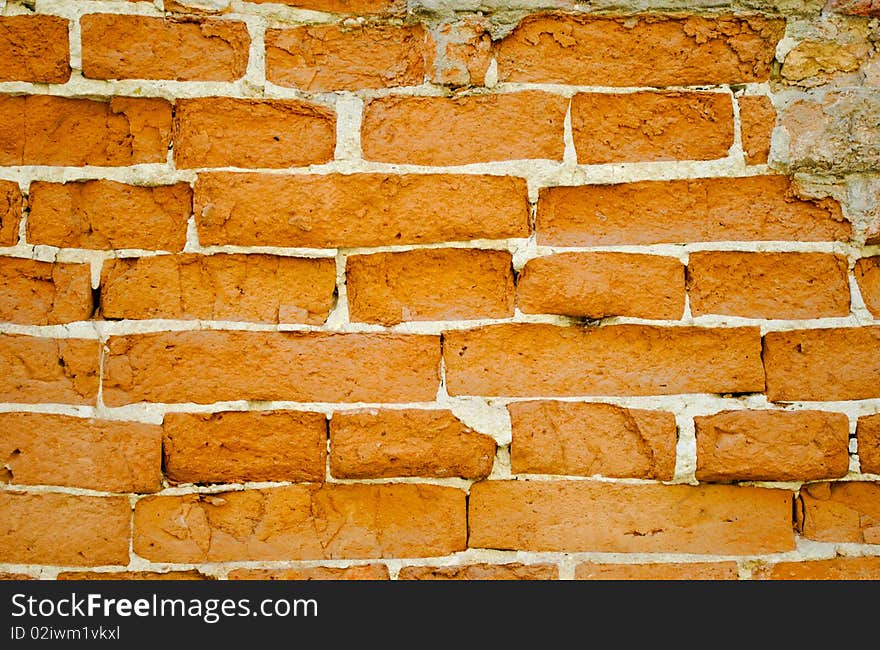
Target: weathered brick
x: 839, y: 568
x: 35, y: 370
x: 233, y: 447
x: 141, y: 47
x: 486, y: 128
x: 856, y: 7
x: 64, y: 529
x: 513, y: 571
x: 360, y: 572
x: 257, y: 288
x: 355, y: 210
x: 132, y: 575
x: 639, y: 51
x: 10, y: 212
x: 302, y: 522
x: 355, y: 7
x: 868, y: 433
x: 757, y: 118
x: 460, y: 52
x: 249, y: 133
x: 867, y: 272
x: 108, y: 455
x: 338, y: 57
x: 43, y: 293
x: 412, y: 442
x: 709, y: 209
x: 34, y: 48
x: 438, y: 284
x: 46, y: 130
x: 768, y: 285
x: 572, y: 516
x: 659, y: 571
x: 211, y: 366
x: 772, y: 446
x: 104, y: 214
x: 651, y: 126
x: 822, y: 364
x: 15, y: 576
x: 840, y: 512
x: 530, y: 360
x: 591, y: 439
x: 598, y: 285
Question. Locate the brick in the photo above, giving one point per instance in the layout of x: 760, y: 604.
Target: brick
x: 250, y: 133
x: 133, y: 575
x: 868, y: 433
x: 755, y: 208
x: 302, y: 522
x: 839, y: 568
x: 772, y: 446
x: 46, y: 130
x: 43, y: 293
x: 599, y: 285
x: 235, y: 447
x: 460, y: 52
x: 210, y: 366
x: 354, y: 7
x: 411, y: 442
x: 10, y: 213
x: 531, y: 360
x: 486, y: 128
x: 348, y: 211
x: 104, y: 214
x: 856, y: 7
x: 867, y: 272
x: 768, y: 285
x: 255, y: 288
x: 840, y: 512
x: 573, y: 516
x: 513, y: 571
x: 639, y: 51
x: 34, y: 48
x: 439, y: 284
x: 360, y: 572
x: 338, y: 57
x: 757, y: 119
x: 64, y: 529
x: 35, y: 370
x: 591, y: 439
x: 107, y: 455
x: 15, y: 576
x: 658, y: 571
x: 142, y: 47
x: 822, y: 364
x: 651, y: 126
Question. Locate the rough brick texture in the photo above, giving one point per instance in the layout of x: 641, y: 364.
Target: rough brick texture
x: 659, y: 571
x: 867, y: 274
x: 757, y: 117
x: 357, y: 572
x: 41, y: 293
x: 131, y: 575
x: 839, y: 568
x: 34, y: 48
x: 34, y: 370
x: 868, y: 433
x: 515, y: 571
x: 840, y: 512
x: 10, y: 213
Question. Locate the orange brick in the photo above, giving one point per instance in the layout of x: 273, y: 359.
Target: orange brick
x: 460, y: 52
x: 10, y: 212
x: 591, y: 439
x: 302, y: 522
x: 598, y: 285
x: 355, y: 7
x: 659, y: 571
x: 43, y: 293
x: 35, y: 370
x: 840, y: 512
x: 229, y: 132
x: 64, y: 529
x: 822, y: 364
x: 839, y: 568
x: 530, y: 360
x: 639, y: 51
x: 868, y: 432
x: 46, y: 130
x: 141, y: 47
x: 867, y: 272
x: 34, y: 48
x: 358, y: 210
x: 768, y: 285
x: 132, y: 575
x: 15, y: 576
x: 757, y: 118
x: 361, y: 572
x: 211, y: 366
x: 650, y: 126
x: 484, y: 128
x: 412, y: 442
x: 108, y: 455
x: 338, y: 57
x: 105, y: 214
x: 256, y: 288
x: 235, y: 447
x: 710, y: 209
x: 439, y: 284
x: 572, y: 516
x: 514, y: 571
x: 772, y: 446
